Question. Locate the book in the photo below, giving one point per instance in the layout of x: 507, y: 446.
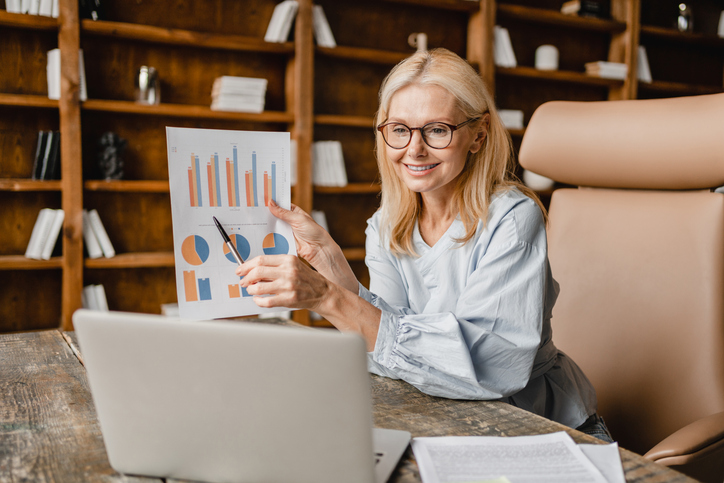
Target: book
x: 320, y: 218
x: 328, y: 167
x: 240, y: 94
x: 322, y: 31
x: 56, y: 9
x: 53, y: 233
x: 512, y: 118
x: 571, y: 7
x: 503, y: 48
x: 92, y: 246
x: 51, y: 166
x: 45, y: 8
x: 281, y: 21
x: 47, y: 149
x: 608, y: 70
x: 53, y: 75
x: 100, y: 233
x: 39, y: 154
x: 13, y: 6
x: 24, y: 6
x: 40, y: 233
x: 33, y: 7
x: 93, y: 297
x: 643, y: 71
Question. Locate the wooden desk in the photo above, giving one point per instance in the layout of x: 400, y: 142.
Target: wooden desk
x: 49, y: 431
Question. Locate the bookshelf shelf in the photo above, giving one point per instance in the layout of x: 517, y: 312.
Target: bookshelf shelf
x: 351, y: 188
x: 354, y: 254
x: 128, y: 186
x: 132, y: 260
x: 25, y: 100
x: 24, y: 21
x: 545, y: 16
x: 187, y: 111
x: 679, y: 88
x: 558, y: 76
x: 374, y: 56
x: 454, y: 5
x: 683, y: 37
x: 340, y: 120
x: 19, y: 262
x: 517, y: 132
x: 189, y: 38
x: 18, y: 184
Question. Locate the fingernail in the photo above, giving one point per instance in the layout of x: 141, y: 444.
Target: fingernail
x: 273, y: 203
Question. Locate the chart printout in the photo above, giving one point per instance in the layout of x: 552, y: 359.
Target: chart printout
x: 231, y: 175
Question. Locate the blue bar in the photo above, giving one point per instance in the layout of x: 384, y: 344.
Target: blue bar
x: 198, y: 181
x: 204, y: 289
x: 236, y: 177
x: 274, y: 181
x: 218, y: 180
x: 253, y: 173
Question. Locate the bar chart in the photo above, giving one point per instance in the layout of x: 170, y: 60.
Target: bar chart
x: 250, y: 187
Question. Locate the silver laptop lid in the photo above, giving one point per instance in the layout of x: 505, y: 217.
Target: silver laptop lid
x: 223, y: 401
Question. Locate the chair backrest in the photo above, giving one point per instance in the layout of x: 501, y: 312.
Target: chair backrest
x: 638, y: 251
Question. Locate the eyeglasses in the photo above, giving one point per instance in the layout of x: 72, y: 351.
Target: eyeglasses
x: 437, y: 135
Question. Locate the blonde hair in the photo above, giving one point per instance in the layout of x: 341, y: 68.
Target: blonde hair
x: 485, y: 172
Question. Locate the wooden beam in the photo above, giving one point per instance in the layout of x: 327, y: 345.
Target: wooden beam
x: 71, y: 162
x: 480, y: 42
x: 624, y: 47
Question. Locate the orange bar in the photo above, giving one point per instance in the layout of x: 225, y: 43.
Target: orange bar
x: 211, y: 187
x: 190, y: 286
x: 248, y: 188
x: 266, y: 189
x: 269, y: 189
x: 229, y: 184
x: 191, y: 188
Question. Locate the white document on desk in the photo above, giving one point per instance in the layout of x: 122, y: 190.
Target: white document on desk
x: 549, y: 458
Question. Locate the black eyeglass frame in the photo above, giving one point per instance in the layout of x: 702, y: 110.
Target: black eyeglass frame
x: 452, y: 127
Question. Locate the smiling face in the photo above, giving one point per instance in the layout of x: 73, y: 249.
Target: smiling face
x: 431, y: 172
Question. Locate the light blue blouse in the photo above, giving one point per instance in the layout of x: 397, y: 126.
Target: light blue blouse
x: 473, y: 321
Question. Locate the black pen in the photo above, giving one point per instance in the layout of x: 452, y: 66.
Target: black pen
x: 227, y: 240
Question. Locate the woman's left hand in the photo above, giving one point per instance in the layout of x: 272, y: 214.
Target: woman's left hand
x: 283, y: 281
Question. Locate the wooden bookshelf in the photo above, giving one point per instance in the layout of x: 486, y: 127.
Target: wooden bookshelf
x: 31, y: 22
x: 21, y: 184
x: 315, y: 93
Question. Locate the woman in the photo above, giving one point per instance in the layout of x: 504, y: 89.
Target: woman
x: 461, y: 292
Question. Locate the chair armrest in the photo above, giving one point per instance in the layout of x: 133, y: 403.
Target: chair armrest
x: 691, y: 442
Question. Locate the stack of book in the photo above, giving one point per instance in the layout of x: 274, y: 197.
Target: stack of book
x: 94, y: 297
x: 503, y: 48
x: 47, y: 156
x: 643, y: 71
x: 512, y: 118
x: 608, y: 70
x: 97, y: 243
x: 46, y: 8
x: 282, y: 19
x: 328, y: 164
x: 53, y: 73
x: 45, y: 234
x: 241, y: 94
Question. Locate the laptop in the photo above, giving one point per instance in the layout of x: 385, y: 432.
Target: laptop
x: 224, y: 401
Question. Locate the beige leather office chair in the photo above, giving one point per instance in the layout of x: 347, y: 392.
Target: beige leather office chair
x: 638, y: 251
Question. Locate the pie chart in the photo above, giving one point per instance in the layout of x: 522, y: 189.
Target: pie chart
x: 195, y: 250
x: 242, y: 246
x: 275, y: 244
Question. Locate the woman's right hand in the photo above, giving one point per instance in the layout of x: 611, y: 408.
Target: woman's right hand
x: 316, y: 246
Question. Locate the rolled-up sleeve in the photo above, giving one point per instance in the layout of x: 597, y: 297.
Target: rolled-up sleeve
x: 477, y: 333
